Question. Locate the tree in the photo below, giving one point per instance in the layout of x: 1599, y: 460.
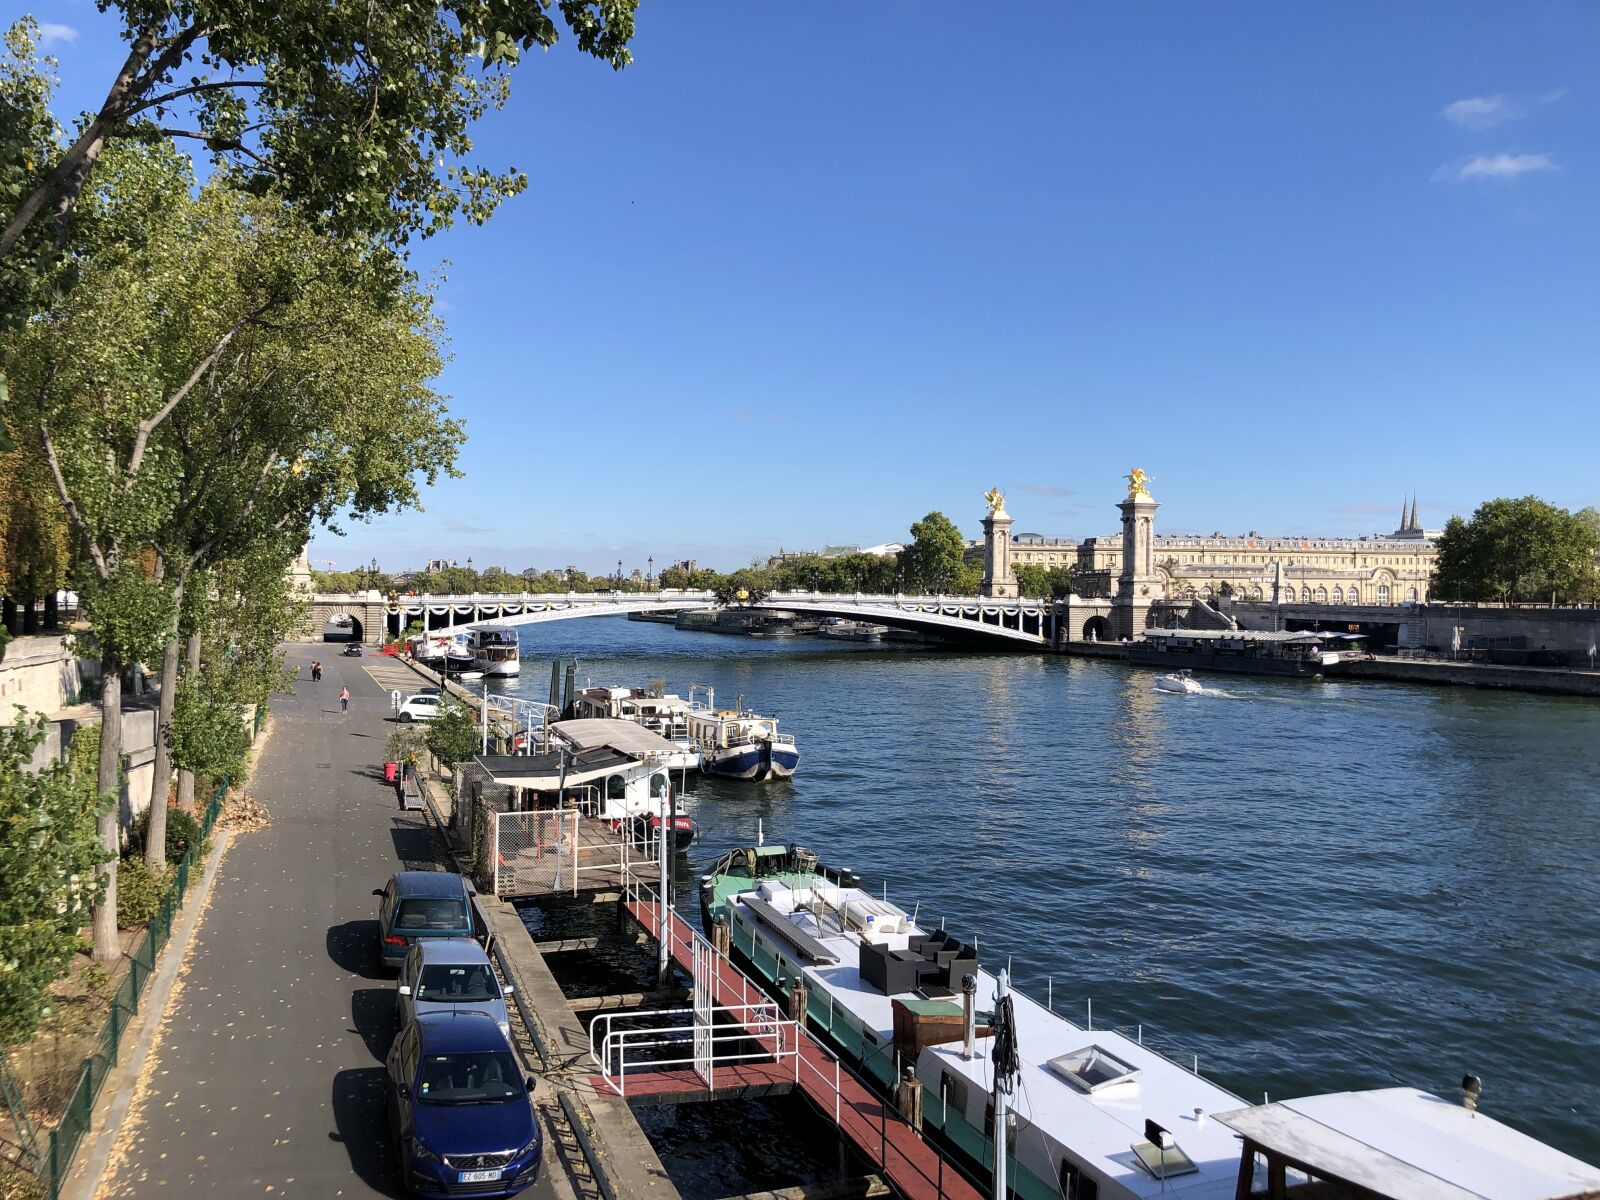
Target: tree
x: 1044, y: 582
x: 49, y: 849
x: 1521, y: 549
x: 933, y: 560
x: 453, y: 736
x: 358, y: 114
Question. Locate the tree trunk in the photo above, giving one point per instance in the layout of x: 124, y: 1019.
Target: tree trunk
x: 106, y: 947
x: 186, y: 778
x: 155, y: 840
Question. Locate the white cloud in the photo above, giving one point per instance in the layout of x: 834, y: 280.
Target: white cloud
x: 49, y: 32
x: 1495, y: 166
x: 1480, y: 112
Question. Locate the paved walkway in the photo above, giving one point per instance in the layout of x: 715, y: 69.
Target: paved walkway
x: 269, y: 1076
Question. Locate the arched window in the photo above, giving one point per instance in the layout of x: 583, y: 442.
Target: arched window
x: 658, y: 785
x: 1338, y: 595
x: 616, y: 787
x: 1354, y: 595
x: 1383, y: 593
x: 1411, y: 594
x: 1305, y: 595
x: 1255, y: 591
x: 1322, y: 595
x: 1205, y: 592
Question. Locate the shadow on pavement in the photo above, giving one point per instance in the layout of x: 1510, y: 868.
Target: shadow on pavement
x: 376, y: 1013
x: 354, y: 946
x: 373, y: 773
x: 362, y: 1126
x: 413, y: 845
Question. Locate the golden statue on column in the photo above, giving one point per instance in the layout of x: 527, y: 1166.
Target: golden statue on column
x: 1136, y: 485
x: 995, y: 499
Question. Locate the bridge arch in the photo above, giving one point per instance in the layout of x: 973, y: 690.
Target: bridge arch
x: 1096, y: 629
x: 343, y: 627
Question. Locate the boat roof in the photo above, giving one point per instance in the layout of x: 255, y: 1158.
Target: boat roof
x: 1101, y: 1127
x: 543, y: 771
x: 1402, y: 1142
x: 590, y: 733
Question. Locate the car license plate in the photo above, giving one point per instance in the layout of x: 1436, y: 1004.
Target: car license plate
x: 478, y: 1176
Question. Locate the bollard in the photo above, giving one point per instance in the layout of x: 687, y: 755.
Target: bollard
x: 797, y: 1003
x: 909, y: 1099
x: 721, y: 936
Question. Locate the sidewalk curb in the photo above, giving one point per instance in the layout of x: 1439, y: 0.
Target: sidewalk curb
x: 86, y: 1177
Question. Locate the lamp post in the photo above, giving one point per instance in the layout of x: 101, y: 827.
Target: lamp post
x: 619, y: 574
x: 650, y: 573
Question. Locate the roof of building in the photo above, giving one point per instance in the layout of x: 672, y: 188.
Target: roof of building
x: 543, y: 771
x: 1402, y: 1142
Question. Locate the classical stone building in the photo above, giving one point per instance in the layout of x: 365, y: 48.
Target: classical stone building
x: 1381, y: 569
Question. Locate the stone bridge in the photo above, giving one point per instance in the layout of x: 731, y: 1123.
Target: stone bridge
x: 980, y: 619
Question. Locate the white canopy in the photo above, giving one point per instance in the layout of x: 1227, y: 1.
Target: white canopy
x: 590, y: 733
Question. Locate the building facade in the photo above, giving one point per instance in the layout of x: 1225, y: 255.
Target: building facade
x: 1382, y: 569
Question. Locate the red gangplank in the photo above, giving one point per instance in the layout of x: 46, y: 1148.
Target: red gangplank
x: 878, y: 1131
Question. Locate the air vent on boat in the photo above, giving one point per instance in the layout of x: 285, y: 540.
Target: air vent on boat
x: 1093, y: 1069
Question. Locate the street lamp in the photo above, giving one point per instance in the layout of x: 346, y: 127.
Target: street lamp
x: 619, y: 573
x: 650, y: 573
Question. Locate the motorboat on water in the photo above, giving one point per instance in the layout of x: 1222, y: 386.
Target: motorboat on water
x: 443, y: 651
x: 495, y: 651
x: 1093, y: 1113
x: 1181, y: 683
x: 736, y: 743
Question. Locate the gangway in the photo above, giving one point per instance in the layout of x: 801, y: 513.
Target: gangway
x: 916, y: 1169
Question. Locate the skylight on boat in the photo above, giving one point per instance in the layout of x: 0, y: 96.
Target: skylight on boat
x: 1093, y: 1069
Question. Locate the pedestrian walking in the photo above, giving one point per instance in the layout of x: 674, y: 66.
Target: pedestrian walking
x: 344, y: 699
x: 316, y: 672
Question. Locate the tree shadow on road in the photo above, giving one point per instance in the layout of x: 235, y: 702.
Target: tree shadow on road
x: 413, y: 845
x: 375, y: 1013
x: 354, y: 947
x: 362, y: 1127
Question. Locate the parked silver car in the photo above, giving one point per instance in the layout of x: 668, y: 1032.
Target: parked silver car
x: 450, y: 974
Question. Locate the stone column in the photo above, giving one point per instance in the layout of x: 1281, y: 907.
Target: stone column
x: 997, y: 578
x: 1137, y: 586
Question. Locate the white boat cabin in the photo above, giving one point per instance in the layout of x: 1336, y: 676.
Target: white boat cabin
x: 610, y: 770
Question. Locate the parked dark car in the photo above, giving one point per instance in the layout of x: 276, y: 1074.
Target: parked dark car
x: 353, y: 650
x: 459, y: 1110
x: 421, y: 904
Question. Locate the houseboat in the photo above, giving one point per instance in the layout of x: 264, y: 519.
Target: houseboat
x: 609, y: 770
x: 443, y: 651
x: 736, y: 743
x: 841, y: 630
x: 495, y: 651
x: 1236, y: 651
x: 667, y: 715
x: 1097, y: 1114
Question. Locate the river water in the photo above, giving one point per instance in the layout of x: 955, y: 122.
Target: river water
x: 1311, y: 886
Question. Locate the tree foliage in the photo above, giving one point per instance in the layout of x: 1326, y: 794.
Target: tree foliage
x: 359, y: 115
x: 453, y: 736
x: 1517, y: 549
x: 49, y: 850
x: 932, y: 562
x: 1044, y: 583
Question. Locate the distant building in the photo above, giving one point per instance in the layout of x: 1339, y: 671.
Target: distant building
x: 1380, y: 569
x: 882, y: 550
x: 435, y: 565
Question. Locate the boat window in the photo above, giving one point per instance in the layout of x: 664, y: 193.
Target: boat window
x: 1075, y: 1185
x: 658, y: 785
x: 616, y: 787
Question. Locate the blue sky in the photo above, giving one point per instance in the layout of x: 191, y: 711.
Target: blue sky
x: 801, y: 274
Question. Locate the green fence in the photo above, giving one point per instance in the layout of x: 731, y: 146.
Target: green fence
x: 75, y: 1121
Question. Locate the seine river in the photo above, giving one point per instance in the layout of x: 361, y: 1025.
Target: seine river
x: 1311, y: 886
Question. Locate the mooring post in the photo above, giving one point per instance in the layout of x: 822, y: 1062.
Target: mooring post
x: 721, y: 935
x: 910, y: 1099
x: 797, y: 1002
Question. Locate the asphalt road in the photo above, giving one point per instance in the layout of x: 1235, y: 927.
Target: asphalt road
x: 268, y: 1079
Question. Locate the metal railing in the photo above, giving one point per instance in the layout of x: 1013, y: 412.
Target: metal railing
x: 752, y: 1033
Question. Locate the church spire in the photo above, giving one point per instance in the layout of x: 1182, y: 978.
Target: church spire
x: 1414, y: 523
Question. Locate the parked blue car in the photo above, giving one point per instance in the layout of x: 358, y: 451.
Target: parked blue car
x: 421, y: 904
x: 459, y: 1108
